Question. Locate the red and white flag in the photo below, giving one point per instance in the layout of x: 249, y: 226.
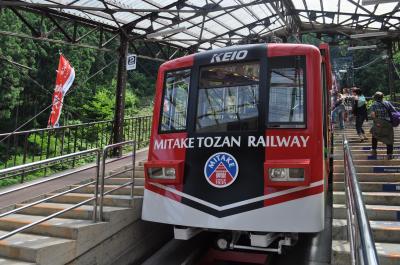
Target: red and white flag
x: 64, y: 80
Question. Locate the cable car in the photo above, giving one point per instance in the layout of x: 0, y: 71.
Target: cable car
x: 237, y: 145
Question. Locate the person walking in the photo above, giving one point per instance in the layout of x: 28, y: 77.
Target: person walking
x: 382, y: 128
x: 338, y: 111
x: 360, y: 112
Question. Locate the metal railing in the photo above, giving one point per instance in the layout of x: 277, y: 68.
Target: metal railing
x: 362, y: 244
x: 131, y: 183
x: 35, y: 145
x: 36, y: 165
x: 98, y: 182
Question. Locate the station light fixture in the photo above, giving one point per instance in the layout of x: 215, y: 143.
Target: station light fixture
x: 165, y: 33
x: 362, y: 47
x: 369, y: 35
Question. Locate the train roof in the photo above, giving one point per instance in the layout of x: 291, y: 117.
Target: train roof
x: 273, y: 49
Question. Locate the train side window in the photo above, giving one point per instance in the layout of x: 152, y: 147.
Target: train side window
x: 175, y: 101
x: 287, y: 104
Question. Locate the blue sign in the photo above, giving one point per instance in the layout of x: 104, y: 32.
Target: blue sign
x: 380, y: 148
x: 381, y: 157
x: 390, y: 187
x: 381, y: 169
x: 221, y: 170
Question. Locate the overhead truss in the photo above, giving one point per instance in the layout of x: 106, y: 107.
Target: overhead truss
x: 198, y: 25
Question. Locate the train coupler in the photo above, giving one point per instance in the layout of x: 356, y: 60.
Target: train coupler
x: 264, y: 242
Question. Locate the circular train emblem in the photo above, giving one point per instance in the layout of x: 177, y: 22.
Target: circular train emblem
x: 221, y: 170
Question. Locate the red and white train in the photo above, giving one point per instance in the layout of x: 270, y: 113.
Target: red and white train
x: 239, y: 143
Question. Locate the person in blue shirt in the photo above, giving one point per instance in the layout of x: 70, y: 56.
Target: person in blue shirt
x: 338, y: 111
x: 382, y: 129
x: 360, y: 111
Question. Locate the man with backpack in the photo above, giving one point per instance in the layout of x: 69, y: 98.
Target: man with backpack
x: 384, y: 116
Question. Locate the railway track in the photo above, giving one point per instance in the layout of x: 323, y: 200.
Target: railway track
x: 311, y: 249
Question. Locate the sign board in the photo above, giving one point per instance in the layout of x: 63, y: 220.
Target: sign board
x: 381, y: 169
x: 374, y: 2
x: 131, y: 62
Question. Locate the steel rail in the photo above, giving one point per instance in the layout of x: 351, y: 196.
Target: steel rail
x: 362, y: 244
x: 86, y: 167
x: 106, y: 149
x: 51, y: 160
x: 100, y: 161
x: 44, y: 162
x: 50, y: 164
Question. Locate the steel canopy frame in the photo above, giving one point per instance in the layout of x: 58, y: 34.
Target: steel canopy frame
x: 209, y: 24
x: 137, y: 18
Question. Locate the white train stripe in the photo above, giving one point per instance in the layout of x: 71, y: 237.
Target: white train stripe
x: 237, y: 204
x: 303, y: 215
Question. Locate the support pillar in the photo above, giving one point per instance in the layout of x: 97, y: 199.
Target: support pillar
x: 118, y: 128
x: 392, y: 92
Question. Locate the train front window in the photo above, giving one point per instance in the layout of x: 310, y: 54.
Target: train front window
x: 228, y: 98
x: 286, y: 107
x: 175, y: 101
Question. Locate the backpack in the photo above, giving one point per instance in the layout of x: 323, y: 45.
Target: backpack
x: 393, y: 113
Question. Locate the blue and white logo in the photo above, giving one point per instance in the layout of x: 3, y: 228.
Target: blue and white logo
x: 221, y: 170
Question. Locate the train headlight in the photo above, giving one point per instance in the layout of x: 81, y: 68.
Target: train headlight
x: 286, y: 174
x: 165, y: 172
x: 161, y: 173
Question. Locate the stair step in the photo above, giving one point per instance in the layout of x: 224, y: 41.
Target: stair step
x: 56, y: 227
x: 138, y: 190
x: 388, y: 254
x: 384, y: 231
x: 338, y: 154
x: 374, y: 198
x: 366, y: 156
x: 38, y: 249
x: 108, y: 200
x: 5, y: 261
x: 381, y: 162
x: 375, y: 212
x: 139, y: 173
x: 120, y: 181
x: 369, y: 169
x: 366, y: 146
x: 371, y: 177
x: 371, y: 186
x: 84, y: 212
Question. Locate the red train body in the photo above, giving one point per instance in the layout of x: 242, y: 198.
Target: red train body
x: 238, y: 138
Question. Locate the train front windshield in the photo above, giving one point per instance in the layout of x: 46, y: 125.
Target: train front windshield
x: 228, y: 98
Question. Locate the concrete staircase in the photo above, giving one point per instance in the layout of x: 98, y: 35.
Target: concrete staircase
x: 381, y: 194
x: 74, y: 238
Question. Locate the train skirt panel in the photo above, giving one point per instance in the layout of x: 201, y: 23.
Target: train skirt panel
x: 302, y: 215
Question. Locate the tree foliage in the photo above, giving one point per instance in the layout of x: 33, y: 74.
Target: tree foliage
x: 24, y: 93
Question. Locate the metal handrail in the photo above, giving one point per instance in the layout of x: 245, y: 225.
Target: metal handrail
x: 34, y: 145
x: 106, y: 150
x: 69, y: 126
x: 51, y: 160
x: 362, y: 244
x: 97, y: 198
